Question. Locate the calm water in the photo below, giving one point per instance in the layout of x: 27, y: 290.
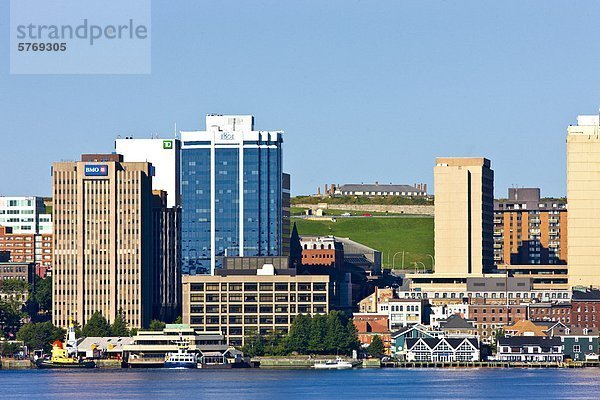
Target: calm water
x: 265, y: 384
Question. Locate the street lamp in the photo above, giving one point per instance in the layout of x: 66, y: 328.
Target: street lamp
x: 432, y: 261
x: 394, y: 258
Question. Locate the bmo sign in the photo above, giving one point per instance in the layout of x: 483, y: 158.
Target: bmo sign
x: 95, y: 170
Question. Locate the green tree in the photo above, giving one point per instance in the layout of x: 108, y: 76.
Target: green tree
x: 318, y: 330
x: 376, y: 348
x: 351, y: 342
x: 335, y: 336
x: 178, y: 320
x: 9, y: 348
x: 10, y: 318
x: 274, y: 344
x: 96, y: 326
x: 119, y: 325
x: 43, y: 294
x: 40, y: 335
x: 254, y: 346
x: 299, y: 334
x: 156, y: 325
x: 13, y: 286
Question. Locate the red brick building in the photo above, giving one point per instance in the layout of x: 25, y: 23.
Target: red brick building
x: 323, y: 251
x: 549, y: 312
x: 28, y: 248
x: 368, y: 325
x: 488, y: 318
x: 585, y: 308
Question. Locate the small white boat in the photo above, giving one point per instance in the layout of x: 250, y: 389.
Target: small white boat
x: 338, y: 363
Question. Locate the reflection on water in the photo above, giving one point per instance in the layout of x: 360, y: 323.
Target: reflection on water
x: 265, y: 384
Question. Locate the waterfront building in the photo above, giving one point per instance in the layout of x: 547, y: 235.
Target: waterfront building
x: 529, y: 230
x: 28, y: 247
x: 524, y: 327
x: 489, y: 318
x: 164, y: 155
x: 585, y: 308
x: 443, y: 311
x: 232, y: 186
x: 455, y: 325
x: 102, y: 212
x: 583, y: 179
x: 377, y: 189
x: 252, y: 295
x: 442, y: 349
x: 398, y: 338
x: 403, y: 312
x: 580, y: 343
x: 529, y: 349
x: 149, y: 348
x: 106, y: 347
x: 369, y: 325
x: 22, y: 214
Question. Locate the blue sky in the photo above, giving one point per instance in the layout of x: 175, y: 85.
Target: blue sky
x: 365, y: 90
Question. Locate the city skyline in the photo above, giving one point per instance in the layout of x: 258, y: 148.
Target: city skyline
x: 464, y: 84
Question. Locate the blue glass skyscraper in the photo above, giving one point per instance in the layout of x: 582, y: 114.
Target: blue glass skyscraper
x: 231, y: 192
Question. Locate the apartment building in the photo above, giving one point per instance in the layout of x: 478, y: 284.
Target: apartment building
x: 404, y: 312
x: 23, y: 214
x: 27, y: 248
x: 529, y: 230
x: 102, y: 212
x: 585, y: 308
x: 252, y: 295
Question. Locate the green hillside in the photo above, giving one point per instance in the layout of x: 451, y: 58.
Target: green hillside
x: 413, y: 235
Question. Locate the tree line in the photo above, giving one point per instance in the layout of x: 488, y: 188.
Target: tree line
x: 334, y: 333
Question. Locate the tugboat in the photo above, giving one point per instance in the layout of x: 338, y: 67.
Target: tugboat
x: 183, y: 358
x: 331, y: 364
x: 65, y: 356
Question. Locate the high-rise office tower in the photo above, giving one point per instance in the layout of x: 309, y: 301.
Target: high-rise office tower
x: 166, y: 224
x: 102, y: 212
x: 583, y: 196
x: 231, y: 190
x: 163, y: 154
x: 464, y: 213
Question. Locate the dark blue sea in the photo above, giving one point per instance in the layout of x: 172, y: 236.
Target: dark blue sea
x: 302, y: 384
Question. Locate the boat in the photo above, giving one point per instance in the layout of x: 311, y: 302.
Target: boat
x: 338, y: 363
x: 65, y: 355
x: 183, y: 358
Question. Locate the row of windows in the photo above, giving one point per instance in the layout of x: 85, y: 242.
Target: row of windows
x: 253, y: 287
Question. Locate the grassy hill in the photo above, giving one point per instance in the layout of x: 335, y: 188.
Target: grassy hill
x: 413, y: 235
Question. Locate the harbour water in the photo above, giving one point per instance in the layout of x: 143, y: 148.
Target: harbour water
x: 302, y: 384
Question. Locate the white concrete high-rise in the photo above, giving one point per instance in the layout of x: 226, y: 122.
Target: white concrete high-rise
x: 163, y: 154
x: 22, y: 214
